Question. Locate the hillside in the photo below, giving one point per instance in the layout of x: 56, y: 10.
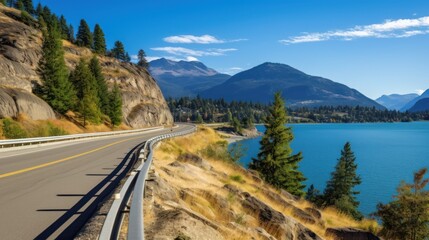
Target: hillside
x: 420, y: 106
x: 193, y: 193
x: 184, y: 79
x: 411, y: 103
x: 20, y: 51
x: 299, y: 89
x: 396, y: 101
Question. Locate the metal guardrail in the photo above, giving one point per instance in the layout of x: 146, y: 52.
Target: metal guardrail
x: 34, y: 141
x: 114, y: 218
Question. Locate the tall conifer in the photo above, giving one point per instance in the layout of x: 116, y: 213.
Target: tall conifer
x: 56, y: 89
x: 99, y: 40
x: 339, y: 191
x: 118, y: 51
x: 87, y: 93
x: 84, y: 36
x: 102, y: 93
x: 115, y: 112
x: 275, y: 161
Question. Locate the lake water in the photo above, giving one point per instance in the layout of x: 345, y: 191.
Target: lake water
x: 386, y: 153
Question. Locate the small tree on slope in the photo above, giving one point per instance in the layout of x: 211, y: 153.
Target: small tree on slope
x: 275, y: 161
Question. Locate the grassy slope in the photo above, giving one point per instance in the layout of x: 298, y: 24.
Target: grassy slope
x: 201, y: 183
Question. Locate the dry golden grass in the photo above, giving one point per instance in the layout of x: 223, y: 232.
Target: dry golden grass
x: 202, y: 184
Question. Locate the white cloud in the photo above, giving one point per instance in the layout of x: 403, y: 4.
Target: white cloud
x: 191, y: 59
x: 400, y: 28
x: 420, y: 91
x: 180, y: 51
x: 204, y: 39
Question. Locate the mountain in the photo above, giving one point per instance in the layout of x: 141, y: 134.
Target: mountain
x: 182, y: 78
x: 420, y: 106
x: 411, y: 103
x: 20, y: 51
x: 396, y: 101
x: 259, y: 84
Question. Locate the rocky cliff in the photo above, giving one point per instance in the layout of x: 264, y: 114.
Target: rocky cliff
x: 20, y: 51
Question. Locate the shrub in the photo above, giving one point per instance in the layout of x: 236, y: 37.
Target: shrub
x: 237, y: 178
x: 217, y: 150
x: 12, y: 130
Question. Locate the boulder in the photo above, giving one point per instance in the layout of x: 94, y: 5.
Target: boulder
x: 314, y: 212
x: 169, y: 224
x: 18, y: 101
x: 274, y: 222
x: 350, y: 234
x: 303, y: 216
x: 194, y: 160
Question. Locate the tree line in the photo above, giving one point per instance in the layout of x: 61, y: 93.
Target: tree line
x: 218, y: 110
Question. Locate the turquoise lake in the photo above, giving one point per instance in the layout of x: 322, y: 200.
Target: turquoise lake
x: 386, y: 153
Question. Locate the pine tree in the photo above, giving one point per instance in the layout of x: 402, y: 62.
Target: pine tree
x: 86, y: 90
x: 118, y: 51
x: 339, y: 191
x: 103, y: 93
x: 56, y: 89
x: 28, y: 6
x: 70, y: 34
x: 115, y: 112
x: 99, y: 40
x: 407, y: 217
x: 142, y: 59
x: 84, y: 36
x: 3, y: 2
x: 127, y: 57
x: 64, y: 28
x: 275, y: 161
x: 19, y: 4
x: 312, y: 195
x: 39, y: 10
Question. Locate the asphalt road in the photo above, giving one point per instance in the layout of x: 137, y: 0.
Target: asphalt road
x: 43, y: 190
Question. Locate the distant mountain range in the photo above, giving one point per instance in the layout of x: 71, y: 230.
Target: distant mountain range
x: 396, y: 101
x: 182, y: 78
x: 299, y: 89
x: 411, y: 103
x: 420, y: 106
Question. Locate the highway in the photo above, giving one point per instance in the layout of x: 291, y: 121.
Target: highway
x: 44, y: 190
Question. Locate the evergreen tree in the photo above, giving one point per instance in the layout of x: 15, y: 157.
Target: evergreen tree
x: 142, y: 59
x: 312, y: 195
x: 19, y: 4
x: 3, y: 2
x: 407, y: 217
x: 118, y: 51
x: 86, y: 90
x: 275, y: 161
x: 339, y: 191
x: 28, y: 6
x: 127, y: 57
x: 56, y: 89
x: 84, y: 36
x: 103, y: 93
x: 39, y: 10
x: 64, y: 27
x: 115, y: 112
x: 99, y: 40
x: 70, y: 34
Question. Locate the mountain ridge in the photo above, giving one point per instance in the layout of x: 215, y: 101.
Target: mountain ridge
x: 259, y: 83
x: 411, y: 103
x: 184, y: 78
x: 396, y: 101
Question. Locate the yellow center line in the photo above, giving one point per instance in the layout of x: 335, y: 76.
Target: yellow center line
x: 62, y: 160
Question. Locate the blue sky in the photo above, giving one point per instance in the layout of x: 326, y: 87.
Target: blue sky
x: 375, y: 46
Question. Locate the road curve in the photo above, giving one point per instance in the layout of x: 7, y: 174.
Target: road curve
x: 44, y: 190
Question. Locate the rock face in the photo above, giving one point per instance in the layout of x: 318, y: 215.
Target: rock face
x: 350, y: 234
x: 20, y: 51
x: 16, y: 101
